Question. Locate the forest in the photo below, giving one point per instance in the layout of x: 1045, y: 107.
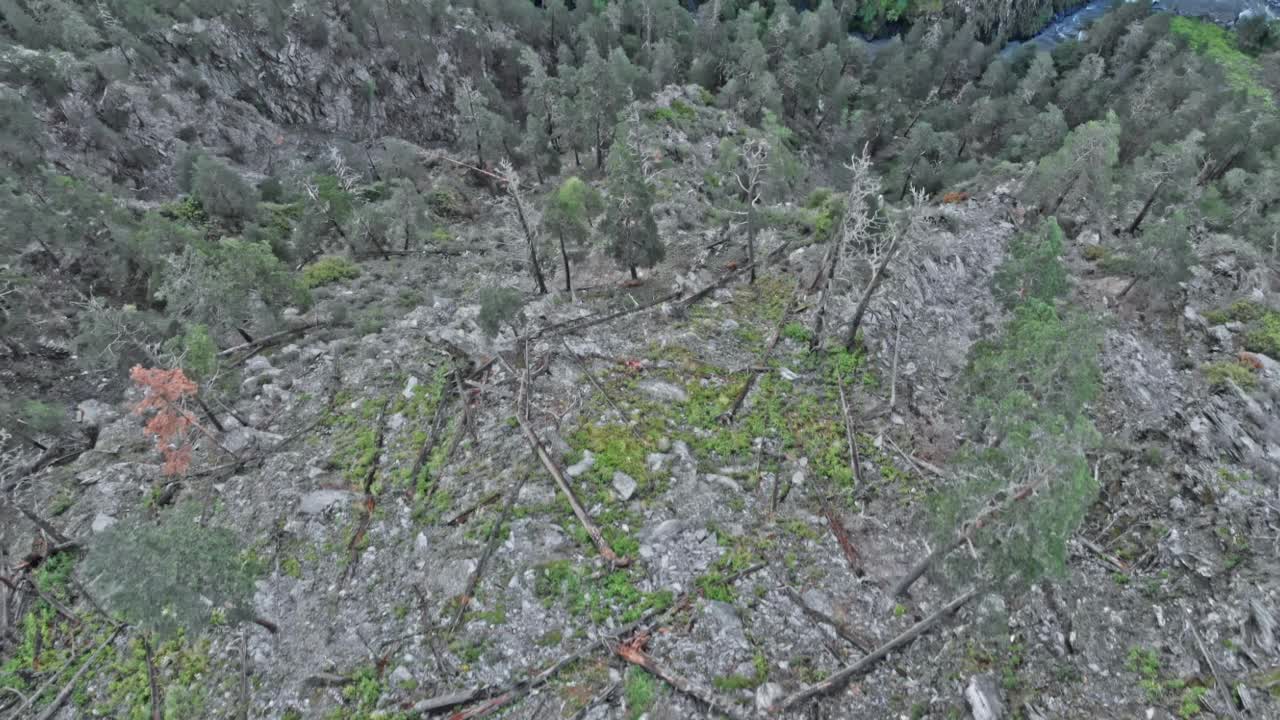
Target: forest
x: 637, y: 358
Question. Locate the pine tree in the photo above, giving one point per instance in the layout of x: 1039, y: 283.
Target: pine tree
x: 222, y: 192
x: 629, y: 223
x: 1081, y: 167
x: 569, y: 212
x: 480, y: 126
x: 1033, y: 267
x: 169, y: 577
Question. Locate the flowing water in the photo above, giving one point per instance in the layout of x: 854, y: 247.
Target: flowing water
x: 1072, y: 24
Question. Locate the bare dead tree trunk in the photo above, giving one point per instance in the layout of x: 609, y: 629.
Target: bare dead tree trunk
x: 841, y: 677
x: 156, y: 713
x: 512, y: 182
x: 851, y: 334
x: 564, y: 256
x: 1146, y: 207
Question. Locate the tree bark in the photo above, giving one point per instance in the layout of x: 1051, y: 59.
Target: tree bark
x: 564, y: 255
x: 1146, y: 207
x: 156, y: 714
x: 840, y: 678
x: 1065, y: 191
x: 533, y: 246
x: 634, y: 274
x: 851, y: 335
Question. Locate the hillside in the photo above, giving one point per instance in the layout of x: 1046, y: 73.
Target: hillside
x: 479, y: 359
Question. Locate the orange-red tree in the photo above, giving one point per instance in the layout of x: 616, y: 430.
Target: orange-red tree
x: 166, y: 392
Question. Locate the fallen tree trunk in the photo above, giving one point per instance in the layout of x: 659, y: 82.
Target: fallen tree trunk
x: 840, y: 678
x: 587, y: 523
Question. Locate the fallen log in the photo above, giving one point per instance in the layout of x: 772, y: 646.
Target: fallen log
x: 632, y: 653
x: 840, y: 678
x: 587, y: 523
x: 264, y: 342
x: 842, y: 630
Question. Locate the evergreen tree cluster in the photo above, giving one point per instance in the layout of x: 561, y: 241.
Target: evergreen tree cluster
x: 1024, y: 483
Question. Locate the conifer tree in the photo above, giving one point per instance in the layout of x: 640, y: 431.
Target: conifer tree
x: 1081, y: 167
x: 170, y: 576
x: 629, y: 224
x: 568, y: 215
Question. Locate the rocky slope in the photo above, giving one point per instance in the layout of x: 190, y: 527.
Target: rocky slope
x: 392, y: 596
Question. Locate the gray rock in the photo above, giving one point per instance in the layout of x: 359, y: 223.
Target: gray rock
x: 766, y: 695
x: 400, y: 676
x: 412, y: 383
x: 664, y: 530
x: 582, y: 466
x: 723, y: 617
x: 556, y: 444
x: 656, y: 461
x: 257, y: 364
x: 663, y: 391
x: 624, y: 485
x: 1221, y: 336
x: 723, y: 481
x: 95, y: 414
x: 243, y: 438
x: 453, y: 577
x: 983, y: 695
x: 318, y: 501
x: 101, y: 522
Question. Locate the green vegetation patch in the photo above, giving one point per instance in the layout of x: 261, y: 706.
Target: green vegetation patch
x: 1222, y: 373
x: 1262, y: 325
x: 678, y: 111
x: 598, y: 598
x: 329, y: 270
x: 1219, y: 44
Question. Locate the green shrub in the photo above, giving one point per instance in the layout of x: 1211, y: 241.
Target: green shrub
x: 641, y: 691
x: 199, y: 352
x: 271, y: 190
x: 499, y: 306
x: 1032, y: 269
x: 1223, y: 373
x: 42, y: 417
x: 673, y: 114
x: 797, y: 332
x: 1265, y: 336
x: 1094, y: 252
x: 222, y: 192
x: 448, y: 203
x: 167, y: 577
x: 329, y: 270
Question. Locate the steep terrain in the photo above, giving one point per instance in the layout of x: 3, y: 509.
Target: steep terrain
x: 390, y: 468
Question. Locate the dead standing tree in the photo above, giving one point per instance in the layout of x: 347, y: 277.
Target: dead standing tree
x: 881, y: 253
x: 857, y: 227
x: 749, y: 177
x: 519, y: 212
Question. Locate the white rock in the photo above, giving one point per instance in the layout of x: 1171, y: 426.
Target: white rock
x: 582, y: 466
x: 984, y: 698
x: 624, y: 485
x: 766, y: 695
x: 318, y: 501
x: 101, y: 522
x: 409, y: 386
x: 663, y: 391
x: 400, y: 676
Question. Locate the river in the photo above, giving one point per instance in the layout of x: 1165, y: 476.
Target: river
x: 1071, y: 24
